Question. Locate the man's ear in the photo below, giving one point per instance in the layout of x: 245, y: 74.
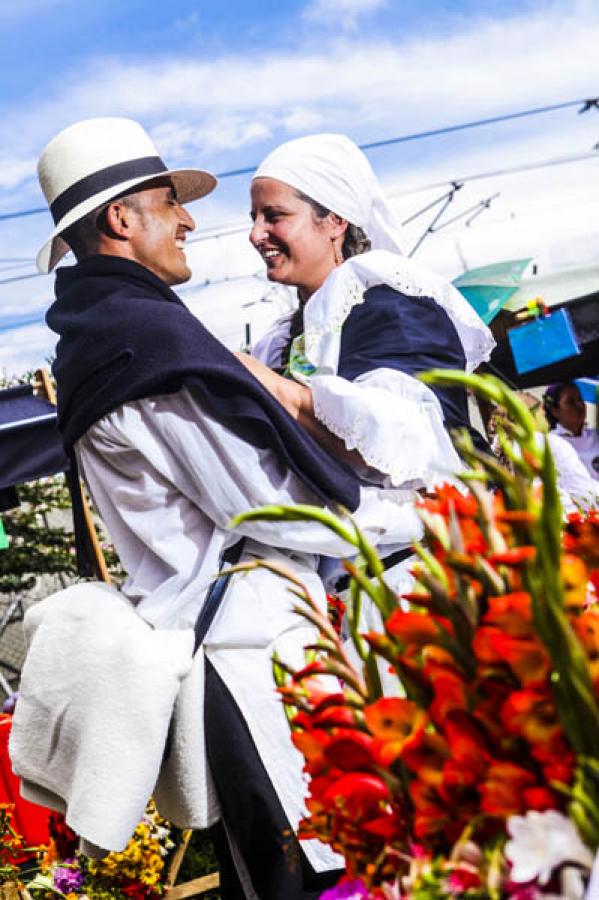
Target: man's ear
x: 117, y: 220
x: 337, y: 225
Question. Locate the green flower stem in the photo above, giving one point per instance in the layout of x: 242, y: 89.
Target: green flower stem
x: 299, y: 513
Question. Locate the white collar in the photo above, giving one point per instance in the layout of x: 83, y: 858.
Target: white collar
x: 344, y: 288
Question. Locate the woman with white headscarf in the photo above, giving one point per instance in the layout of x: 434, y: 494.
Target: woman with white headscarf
x: 369, y: 318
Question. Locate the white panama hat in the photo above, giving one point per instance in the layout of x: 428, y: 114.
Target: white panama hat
x: 96, y: 160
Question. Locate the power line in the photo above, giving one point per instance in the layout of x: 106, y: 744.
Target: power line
x: 584, y: 104
x: 233, y: 228
x: 508, y: 170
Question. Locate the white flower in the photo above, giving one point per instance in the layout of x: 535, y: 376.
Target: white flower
x: 542, y: 841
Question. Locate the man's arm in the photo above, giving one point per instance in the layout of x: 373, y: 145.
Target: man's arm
x: 297, y: 400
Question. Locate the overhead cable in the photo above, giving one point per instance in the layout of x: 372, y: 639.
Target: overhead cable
x: 232, y: 228
x: 585, y: 105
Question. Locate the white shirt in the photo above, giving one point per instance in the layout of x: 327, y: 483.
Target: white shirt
x: 167, y: 478
x: 393, y: 420
x: 586, y: 445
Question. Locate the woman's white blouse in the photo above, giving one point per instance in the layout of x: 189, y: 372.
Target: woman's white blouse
x: 394, y: 421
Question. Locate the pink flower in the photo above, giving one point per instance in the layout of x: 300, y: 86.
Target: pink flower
x: 347, y: 890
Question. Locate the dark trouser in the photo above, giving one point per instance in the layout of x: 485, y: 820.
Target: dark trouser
x: 251, y: 810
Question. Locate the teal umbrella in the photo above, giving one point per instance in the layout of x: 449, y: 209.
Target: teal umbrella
x: 488, y: 288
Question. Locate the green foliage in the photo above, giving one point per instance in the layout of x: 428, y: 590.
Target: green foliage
x: 199, y: 860
x: 38, y: 544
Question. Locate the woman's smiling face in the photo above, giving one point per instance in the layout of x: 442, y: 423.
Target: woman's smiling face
x: 296, y: 245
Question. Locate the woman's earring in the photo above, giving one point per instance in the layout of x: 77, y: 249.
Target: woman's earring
x: 337, y: 253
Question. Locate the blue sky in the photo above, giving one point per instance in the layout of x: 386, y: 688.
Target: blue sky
x: 219, y: 84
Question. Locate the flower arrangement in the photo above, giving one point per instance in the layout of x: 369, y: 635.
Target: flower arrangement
x: 14, y: 855
x: 479, y: 778
x: 135, y: 873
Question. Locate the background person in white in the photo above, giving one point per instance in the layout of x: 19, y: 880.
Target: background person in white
x: 575, y: 447
x: 167, y: 477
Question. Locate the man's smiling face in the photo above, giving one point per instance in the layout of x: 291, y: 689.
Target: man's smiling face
x: 159, y: 226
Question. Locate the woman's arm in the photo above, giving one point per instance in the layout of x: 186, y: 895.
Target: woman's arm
x: 297, y: 400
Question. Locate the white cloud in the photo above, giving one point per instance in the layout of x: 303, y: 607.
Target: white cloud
x: 368, y: 89
x: 180, y: 139
x: 341, y: 14
x: 201, y: 112
x: 14, y: 171
x: 25, y: 348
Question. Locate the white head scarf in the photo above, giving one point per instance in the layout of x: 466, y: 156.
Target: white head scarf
x: 332, y: 170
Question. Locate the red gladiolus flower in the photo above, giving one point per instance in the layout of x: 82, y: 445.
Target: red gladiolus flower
x: 557, y: 760
x: 357, y: 795
x: 350, y: 750
x: 390, y: 828
x: 502, y: 791
x: 467, y: 742
x: 540, y: 798
x: 532, y: 715
x: 333, y: 717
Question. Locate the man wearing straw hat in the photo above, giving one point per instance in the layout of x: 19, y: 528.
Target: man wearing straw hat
x: 174, y: 437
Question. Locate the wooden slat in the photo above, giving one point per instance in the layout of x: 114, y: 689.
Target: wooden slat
x: 193, y: 888
x: 46, y: 388
x: 177, y: 859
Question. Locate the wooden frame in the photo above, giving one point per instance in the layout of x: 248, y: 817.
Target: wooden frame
x: 196, y: 886
x: 45, y: 388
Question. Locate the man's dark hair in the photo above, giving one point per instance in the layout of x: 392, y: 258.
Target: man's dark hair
x: 354, y: 240
x: 83, y: 237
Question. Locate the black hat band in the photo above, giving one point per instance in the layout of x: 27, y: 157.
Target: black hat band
x: 111, y: 176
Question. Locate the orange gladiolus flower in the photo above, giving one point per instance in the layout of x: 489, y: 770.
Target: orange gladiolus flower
x: 532, y: 715
x: 582, y: 536
x: 574, y: 580
x: 502, y: 791
x: 586, y: 626
x: 311, y: 744
x: 417, y: 628
x: 396, y: 723
x: 511, y: 613
x: 431, y: 816
x: 526, y: 657
x: 514, y: 556
x: 448, y: 497
x: 425, y: 756
x: 450, y: 692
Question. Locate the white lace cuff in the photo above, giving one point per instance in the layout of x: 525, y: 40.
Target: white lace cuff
x: 392, y: 420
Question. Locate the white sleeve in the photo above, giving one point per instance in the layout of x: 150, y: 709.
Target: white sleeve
x: 224, y: 476
x: 269, y: 347
x: 572, y: 476
x: 394, y: 421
